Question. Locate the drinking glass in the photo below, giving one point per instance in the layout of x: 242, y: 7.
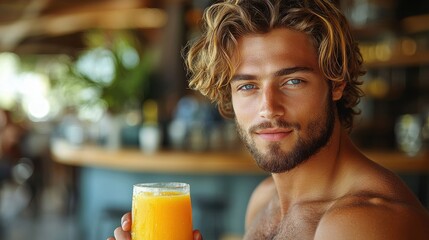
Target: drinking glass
x: 161, y: 211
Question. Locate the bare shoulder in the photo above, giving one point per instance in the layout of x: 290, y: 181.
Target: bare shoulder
x: 371, y: 216
x: 378, y: 206
x: 261, y: 196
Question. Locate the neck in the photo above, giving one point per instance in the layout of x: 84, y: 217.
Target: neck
x: 317, y: 179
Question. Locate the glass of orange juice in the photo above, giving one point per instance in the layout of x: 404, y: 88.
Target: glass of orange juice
x: 161, y: 211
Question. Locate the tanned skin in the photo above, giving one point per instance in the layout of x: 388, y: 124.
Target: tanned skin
x: 337, y: 193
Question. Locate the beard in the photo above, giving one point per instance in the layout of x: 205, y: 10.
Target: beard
x: 276, y: 160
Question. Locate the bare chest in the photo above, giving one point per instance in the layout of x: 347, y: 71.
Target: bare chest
x: 300, y: 222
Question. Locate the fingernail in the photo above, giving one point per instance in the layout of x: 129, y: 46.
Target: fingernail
x: 124, y: 223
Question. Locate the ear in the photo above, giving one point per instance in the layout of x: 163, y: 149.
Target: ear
x: 338, y: 89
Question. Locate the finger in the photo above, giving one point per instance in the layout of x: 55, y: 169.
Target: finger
x: 121, y: 235
x: 111, y: 238
x: 197, y: 235
x: 126, y: 222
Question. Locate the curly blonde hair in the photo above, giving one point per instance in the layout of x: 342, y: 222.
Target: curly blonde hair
x: 210, y: 57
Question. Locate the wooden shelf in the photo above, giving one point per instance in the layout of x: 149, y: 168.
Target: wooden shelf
x: 163, y: 161
x: 204, y: 162
x: 417, y: 59
x: 399, y: 162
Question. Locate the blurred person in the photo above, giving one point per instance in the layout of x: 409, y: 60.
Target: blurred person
x: 11, y: 136
x: 13, y: 198
x: 287, y: 71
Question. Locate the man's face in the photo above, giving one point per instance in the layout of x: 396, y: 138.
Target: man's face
x: 284, y: 108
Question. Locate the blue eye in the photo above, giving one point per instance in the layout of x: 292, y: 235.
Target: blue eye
x: 247, y: 87
x: 294, y: 82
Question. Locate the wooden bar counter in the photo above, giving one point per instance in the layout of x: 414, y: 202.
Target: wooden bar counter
x: 239, y: 162
x: 133, y: 159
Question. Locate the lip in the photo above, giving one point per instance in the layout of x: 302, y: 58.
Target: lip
x: 273, y: 134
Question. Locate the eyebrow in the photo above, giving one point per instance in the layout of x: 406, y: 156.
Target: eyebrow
x: 281, y: 72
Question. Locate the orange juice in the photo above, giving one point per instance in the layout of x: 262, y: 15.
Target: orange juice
x: 161, y: 215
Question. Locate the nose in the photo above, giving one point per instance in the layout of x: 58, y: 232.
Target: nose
x: 271, y: 105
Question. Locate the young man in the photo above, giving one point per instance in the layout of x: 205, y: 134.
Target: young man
x: 287, y: 71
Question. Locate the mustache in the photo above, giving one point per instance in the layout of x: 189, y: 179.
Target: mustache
x: 275, y: 124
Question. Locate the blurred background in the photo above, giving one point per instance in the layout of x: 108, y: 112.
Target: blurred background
x: 94, y: 98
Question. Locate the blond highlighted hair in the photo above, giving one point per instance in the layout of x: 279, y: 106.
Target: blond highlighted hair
x: 210, y: 58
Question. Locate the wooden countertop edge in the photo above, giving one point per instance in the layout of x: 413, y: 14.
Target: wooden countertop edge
x: 163, y: 161
x: 400, y: 162
x: 203, y: 162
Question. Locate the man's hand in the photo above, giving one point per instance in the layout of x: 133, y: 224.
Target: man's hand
x: 124, y: 231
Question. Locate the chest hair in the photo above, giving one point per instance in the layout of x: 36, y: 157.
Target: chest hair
x: 299, y: 223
